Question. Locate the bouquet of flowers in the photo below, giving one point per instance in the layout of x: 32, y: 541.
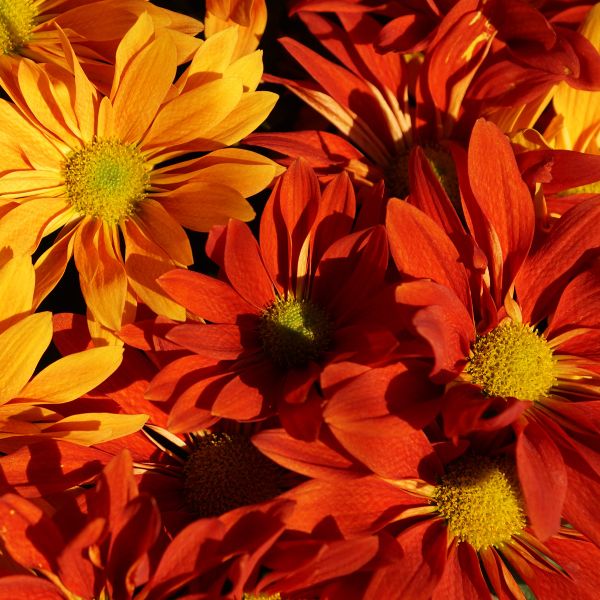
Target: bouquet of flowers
x: 331, y: 329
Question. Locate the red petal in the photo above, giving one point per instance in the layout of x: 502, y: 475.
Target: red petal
x: 543, y: 479
x: 25, y: 587
x: 205, y: 296
x: 220, y: 342
x: 503, y: 198
x: 244, y: 266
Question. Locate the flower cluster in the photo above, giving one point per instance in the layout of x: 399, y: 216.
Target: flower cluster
x: 330, y: 331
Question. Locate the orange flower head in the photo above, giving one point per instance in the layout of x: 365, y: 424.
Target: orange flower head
x: 480, y: 500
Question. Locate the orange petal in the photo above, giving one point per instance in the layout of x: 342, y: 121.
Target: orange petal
x: 17, y: 280
x: 74, y: 375
x: 143, y: 88
x: 21, y: 347
x: 101, y: 273
x: 199, y: 206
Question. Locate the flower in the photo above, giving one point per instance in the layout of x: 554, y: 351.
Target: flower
x: 311, y: 294
x: 28, y: 29
x: 498, y: 312
x: 92, y: 165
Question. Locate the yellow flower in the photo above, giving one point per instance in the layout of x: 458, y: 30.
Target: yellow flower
x: 93, y: 166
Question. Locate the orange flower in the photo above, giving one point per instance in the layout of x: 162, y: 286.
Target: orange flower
x: 94, y: 28
x: 24, y: 400
x: 250, y: 15
x: 91, y: 164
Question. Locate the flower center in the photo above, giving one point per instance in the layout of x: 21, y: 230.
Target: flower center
x: 294, y: 332
x: 261, y: 596
x: 513, y: 360
x: 226, y: 471
x: 442, y: 165
x: 17, y: 19
x: 481, y: 501
x: 106, y: 179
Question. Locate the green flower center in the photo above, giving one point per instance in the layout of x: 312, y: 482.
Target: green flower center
x: 513, y: 360
x: 481, y: 501
x: 106, y: 179
x: 226, y: 471
x: 294, y: 332
x: 17, y: 20
x: 442, y: 165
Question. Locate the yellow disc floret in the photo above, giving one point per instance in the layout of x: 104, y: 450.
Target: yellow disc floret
x: 261, y: 596
x: 513, y: 360
x: 226, y: 471
x: 106, y: 179
x: 481, y: 501
x: 294, y: 332
x: 17, y: 19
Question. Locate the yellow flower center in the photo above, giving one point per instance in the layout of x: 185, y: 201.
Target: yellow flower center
x: 442, y: 165
x: 294, y: 332
x: 513, y: 360
x: 226, y: 471
x: 261, y: 596
x: 481, y: 501
x: 17, y: 20
x: 106, y: 179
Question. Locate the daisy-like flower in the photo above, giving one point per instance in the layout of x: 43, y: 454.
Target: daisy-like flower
x: 513, y: 333
x: 91, y: 164
x: 94, y: 27
x: 310, y: 294
x: 461, y: 523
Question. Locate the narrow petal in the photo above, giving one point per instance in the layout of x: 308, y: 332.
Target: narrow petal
x: 21, y: 348
x: 72, y: 376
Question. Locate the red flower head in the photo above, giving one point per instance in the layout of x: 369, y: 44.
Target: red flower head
x: 309, y: 295
x: 512, y: 324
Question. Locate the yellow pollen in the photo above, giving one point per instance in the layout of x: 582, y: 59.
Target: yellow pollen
x: 17, y: 20
x: 226, y: 471
x: 106, y: 179
x: 442, y: 165
x: 513, y: 360
x: 293, y: 332
x: 480, y: 499
x: 261, y: 596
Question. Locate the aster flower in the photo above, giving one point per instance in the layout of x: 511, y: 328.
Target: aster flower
x: 310, y: 294
x: 505, y: 336
x: 91, y: 165
x: 94, y: 28
x: 461, y: 523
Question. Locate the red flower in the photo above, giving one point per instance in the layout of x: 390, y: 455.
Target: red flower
x: 513, y: 327
x: 311, y: 294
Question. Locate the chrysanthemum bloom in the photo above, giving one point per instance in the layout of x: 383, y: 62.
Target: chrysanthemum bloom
x: 250, y: 15
x: 30, y: 404
x: 94, y: 28
x: 461, y: 523
x: 92, y: 164
x: 116, y: 548
x: 382, y: 103
x: 514, y: 333
x: 310, y: 294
